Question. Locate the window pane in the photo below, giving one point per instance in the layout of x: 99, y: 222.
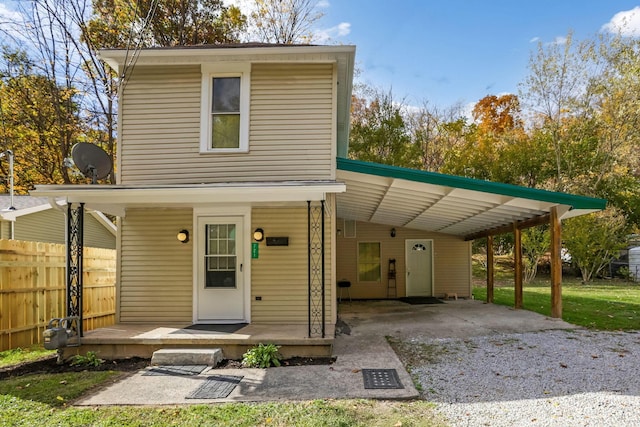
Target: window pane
x: 226, y: 131
x: 226, y: 95
x: 369, y: 262
x: 220, y: 260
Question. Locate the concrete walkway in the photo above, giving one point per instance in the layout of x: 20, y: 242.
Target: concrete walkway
x: 360, y: 344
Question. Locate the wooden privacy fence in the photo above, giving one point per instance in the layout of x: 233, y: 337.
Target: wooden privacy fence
x: 33, y: 289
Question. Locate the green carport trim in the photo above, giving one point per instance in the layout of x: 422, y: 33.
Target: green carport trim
x: 454, y: 181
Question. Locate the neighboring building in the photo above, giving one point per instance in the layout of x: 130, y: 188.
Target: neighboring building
x: 34, y: 219
x: 221, y: 146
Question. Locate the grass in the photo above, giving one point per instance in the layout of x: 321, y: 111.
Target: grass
x: 22, y: 412
x: 19, y: 355
x: 604, y: 305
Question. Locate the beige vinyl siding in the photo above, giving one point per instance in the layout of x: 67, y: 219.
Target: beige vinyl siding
x: 451, y: 260
x: 155, y: 268
x: 291, y: 135
x: 50, y: 226
x: 280, y: 274
x: 97, y: 235
x: 5, y: 230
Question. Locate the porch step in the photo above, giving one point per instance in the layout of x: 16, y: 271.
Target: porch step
x: 187, y: 356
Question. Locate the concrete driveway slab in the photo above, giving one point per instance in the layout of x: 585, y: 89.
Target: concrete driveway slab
x: 360, y: 344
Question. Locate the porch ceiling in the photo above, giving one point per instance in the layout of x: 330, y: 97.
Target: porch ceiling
x: 448, y: 204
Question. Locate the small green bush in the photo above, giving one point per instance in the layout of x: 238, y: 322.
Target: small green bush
x: 262, y: 356
x: 91, y: 359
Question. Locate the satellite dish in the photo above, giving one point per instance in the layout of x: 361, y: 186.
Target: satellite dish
x: 92, y: 161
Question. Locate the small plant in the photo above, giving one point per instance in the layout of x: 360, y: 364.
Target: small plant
x: 90, y: 359
x: 625, y: 273
x: 262, y: 356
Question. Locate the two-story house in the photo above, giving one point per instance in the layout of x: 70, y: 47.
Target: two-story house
x: 237, y: 203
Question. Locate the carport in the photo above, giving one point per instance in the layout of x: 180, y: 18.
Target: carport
x: 459, y: 206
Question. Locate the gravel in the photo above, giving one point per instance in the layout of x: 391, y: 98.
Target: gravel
x: 551, y: 378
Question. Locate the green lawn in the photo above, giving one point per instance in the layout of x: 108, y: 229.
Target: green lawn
x: 25, y: 412
x: 20, y: 355
x: 605, y: 305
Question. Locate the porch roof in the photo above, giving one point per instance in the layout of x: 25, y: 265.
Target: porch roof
x: 448, y: 204
x: 115, y: 199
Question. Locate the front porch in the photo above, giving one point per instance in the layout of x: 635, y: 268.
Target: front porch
x: 141, y: 340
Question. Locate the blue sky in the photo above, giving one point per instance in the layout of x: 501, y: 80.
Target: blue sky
x: 448, y: 51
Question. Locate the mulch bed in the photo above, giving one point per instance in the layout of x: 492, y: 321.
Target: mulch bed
x: 50, y: 365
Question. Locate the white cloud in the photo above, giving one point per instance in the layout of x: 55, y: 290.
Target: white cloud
x: 323, y: 4
x: 534, y: 40
x: 340, y: 30
x: 559, y: 40
x: 625, y: 23
x: 12, y: 23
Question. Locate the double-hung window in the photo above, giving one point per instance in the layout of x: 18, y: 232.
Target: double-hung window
x: 369, y: 268
x: 225, y: 108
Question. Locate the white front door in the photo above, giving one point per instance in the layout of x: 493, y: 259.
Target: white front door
x: 220, y: 284
x: 419, y: 256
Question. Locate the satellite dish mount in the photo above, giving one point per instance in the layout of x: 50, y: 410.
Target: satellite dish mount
x: 92, y: 161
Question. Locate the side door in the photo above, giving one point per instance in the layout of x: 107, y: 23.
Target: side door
x: 419, y: 275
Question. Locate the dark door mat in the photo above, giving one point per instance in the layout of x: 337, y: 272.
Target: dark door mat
x: 381, y: 378
x: 216, y: 387
x: 421, y: 300
x: 185, y: 370
x: 226, y: 329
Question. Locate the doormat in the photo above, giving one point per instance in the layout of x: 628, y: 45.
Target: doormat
x: 381, y: 378
x: 223, y: 329
x: 216, y: 387
x: 421, y: 300
x: 183, y: 370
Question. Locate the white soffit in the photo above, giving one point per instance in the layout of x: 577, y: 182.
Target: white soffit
x: 399, y: 197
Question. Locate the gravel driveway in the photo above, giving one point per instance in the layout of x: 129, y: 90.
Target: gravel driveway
x: 547, y: 378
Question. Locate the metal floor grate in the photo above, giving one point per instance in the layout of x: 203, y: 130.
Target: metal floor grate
x: 216, y: 387
x: 381, y: 378
x: 185, y: 370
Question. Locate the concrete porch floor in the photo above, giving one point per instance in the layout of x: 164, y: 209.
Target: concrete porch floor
x: 141, y: 340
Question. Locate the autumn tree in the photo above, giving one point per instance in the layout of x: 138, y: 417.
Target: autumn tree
x: 434, y: 132
x: 535, y: 244
x: 379, y: 131
x: 40, y: 121
x: 595, y: 240
x: 285, y: 21
x: 497, y: 126
x: 151, y: 23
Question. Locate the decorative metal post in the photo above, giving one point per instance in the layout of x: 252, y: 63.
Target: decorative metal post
x: 75, y: 244
x: 316, y: 270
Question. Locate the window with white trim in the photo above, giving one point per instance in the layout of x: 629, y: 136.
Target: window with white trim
x: 224, y: 126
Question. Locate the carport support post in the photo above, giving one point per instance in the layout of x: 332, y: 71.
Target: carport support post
x: 556, y: 264
x: 517, y: 254
x: 490, y: 269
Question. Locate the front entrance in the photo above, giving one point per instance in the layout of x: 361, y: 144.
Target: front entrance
x: 419, y: 256
x: 220, y: 284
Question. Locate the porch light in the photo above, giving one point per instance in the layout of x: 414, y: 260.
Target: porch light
x: 258, y: 235
x: 393, y: 232
x: 183, y: 236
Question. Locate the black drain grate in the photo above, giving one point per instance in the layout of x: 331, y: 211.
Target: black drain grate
x: 216, y: 387
x: 381, y: 378
x: 185, y: 370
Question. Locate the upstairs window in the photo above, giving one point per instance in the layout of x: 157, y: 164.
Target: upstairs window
x: 224, y: 126
x: 225, y: 113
